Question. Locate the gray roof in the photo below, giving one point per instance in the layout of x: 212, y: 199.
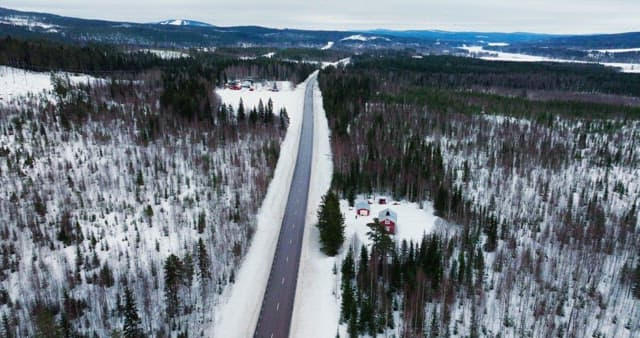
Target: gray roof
x: 361, y: 204
x: 388, y: 213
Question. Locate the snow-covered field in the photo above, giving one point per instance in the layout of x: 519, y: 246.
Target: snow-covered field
x: 16, y: 82
x: 616, y: 50
x: 362, y: 38
x: 328, y: 45
x: 238, y: 314
x: 413, y: 222
x: 167, y: 54
x: 490, y: 55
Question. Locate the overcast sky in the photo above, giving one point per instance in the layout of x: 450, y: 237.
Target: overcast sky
x: 543, y: 16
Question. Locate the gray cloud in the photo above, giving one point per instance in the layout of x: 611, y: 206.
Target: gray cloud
x: 545, y: 16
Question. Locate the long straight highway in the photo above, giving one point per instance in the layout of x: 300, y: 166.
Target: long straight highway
x: 277, y: 304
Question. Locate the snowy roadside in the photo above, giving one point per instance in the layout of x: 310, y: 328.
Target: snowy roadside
x: 238, y: 314
x: 316, y: 311
x: 317, y: 304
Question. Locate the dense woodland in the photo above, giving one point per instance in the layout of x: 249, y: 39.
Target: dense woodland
x: 539, y: 197
x: 129, y: 201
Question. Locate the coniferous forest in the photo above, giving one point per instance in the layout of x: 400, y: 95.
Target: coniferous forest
x: 533, y: 169
x: 130, y: 198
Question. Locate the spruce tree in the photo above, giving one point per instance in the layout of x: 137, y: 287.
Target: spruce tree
x: 132, y: 322
x: 636, y: 280
x: 204, y: 264
x: 330, y: 224
x: 241, y: 114
x: 172, y: 281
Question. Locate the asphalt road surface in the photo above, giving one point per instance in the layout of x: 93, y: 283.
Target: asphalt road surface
x: 277, y: 305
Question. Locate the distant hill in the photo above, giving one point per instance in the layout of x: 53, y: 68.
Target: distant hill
x: 183, y: 22
x: 185, y: 33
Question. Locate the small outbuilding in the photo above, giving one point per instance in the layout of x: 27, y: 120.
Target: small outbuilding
x: 389, y: 219
x: 362, y: 208
x: 382, y: 200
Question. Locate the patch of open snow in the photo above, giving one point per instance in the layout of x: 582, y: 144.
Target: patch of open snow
x: 16, y: 82
x: 413, y: 222
x: 360, y: 37
x: 269, y: 55
x: 237, y: 316
x: 498, y: 44
x: 618, y: 50
x: 167, y: 54
x: 342, y: 62
x: 489, y: 55
x: 25, y: 21
x: 283, y: 98
x: 328, y: 45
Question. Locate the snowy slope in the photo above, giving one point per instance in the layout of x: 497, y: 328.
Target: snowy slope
x: 16, y: 82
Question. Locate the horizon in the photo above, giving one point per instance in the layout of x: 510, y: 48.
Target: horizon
x: 346, y: 23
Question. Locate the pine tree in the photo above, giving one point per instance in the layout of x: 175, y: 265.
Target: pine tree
x: 241, y: 114
x: 187, y: 270
x: 284, y: 119
x: 132, y: 322
x: 139, y: 178
x: 379, y: 236
x: 202, y: 222
x: 636, y: 280
x: 348, y: 306
x: 330, y: 224
x: 172, y: 282
x: 204, y: 265
x: 7, y: 330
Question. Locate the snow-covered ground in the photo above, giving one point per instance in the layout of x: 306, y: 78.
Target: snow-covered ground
x: 413, y: 222
x: 288, y: 96
x: 328, y: 45
x: 360, y: 37
x: 26, y: 21
x: 490, y: 55
x: 616, y: 50
x: 167, y: 54
x: 238, y: 314
x: 342, y: 62
x: 16, y: 82
x: 498, y: 44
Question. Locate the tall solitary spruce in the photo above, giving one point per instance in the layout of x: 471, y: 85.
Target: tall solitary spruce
x: 330, y: 224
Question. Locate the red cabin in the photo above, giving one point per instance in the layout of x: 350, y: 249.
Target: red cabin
x: 389, y: 219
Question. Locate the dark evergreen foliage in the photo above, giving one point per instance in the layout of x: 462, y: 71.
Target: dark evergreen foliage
x: 330, y: 224
x: 132, y: 322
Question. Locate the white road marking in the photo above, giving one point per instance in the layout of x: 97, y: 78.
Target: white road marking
x: 278, y: 307
x: 282, y: 281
